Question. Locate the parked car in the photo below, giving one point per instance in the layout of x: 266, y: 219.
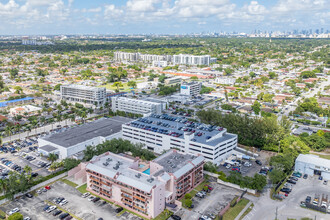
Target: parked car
x: 320, y: 178
x: 27, y: 218
x: 308, y: 199
x: 305, y: 176
x: 96, y: 199
x: 46, y: 207
x: 325, y: 182
x: 286, y: 190
x: 85, y: 195
x: 293, y: 178
x: 119, y: 209
x: 91, y: 198
x: 258, y: 162
x: 50, y: 209
x: 28, y: 195
x: 64, y: 215
x: 13, y: 211
x: 57, y: 212
x: 176, y: 217
x: 291, y: 181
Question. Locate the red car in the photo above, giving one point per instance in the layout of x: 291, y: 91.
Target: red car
x: 209, y: 187
x: 235, y: 169
x: 47, y: 187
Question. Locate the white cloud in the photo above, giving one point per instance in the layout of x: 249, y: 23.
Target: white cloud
x: 141, y: 5
x: 110, y: 11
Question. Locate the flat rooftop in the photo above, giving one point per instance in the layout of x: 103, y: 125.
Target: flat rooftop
x: 110, y: 164
x: 177, y: 163
x: 102, y: 127
x: 178, y: 126
x: 91, y: 88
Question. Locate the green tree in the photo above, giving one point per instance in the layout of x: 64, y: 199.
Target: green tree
x: 132, y: 84
x: 256, y: 107
x: 52, y: 157
x: 16, y: 216
x: 13, y: 73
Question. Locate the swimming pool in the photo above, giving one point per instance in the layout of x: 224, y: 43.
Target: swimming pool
x: 147, y: 171
x: 141, y: 165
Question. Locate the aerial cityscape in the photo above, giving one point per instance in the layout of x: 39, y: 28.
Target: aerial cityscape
x: 164, y: 109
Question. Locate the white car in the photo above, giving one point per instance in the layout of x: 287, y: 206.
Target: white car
x: 247, y: 164
x: 228, y: 166
x: 27, y: 218
x: 85, y: 195
x: 91, y: 198
x: 13, y: 211
x: 50, y: 209
x: 64, y: 201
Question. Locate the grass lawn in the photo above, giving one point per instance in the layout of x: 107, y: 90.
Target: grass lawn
x: 82, y: 188
x: 124, y: 88
x: 247, y: 211
x: 2, y: 214
x: 234, y: 211
x: 69, y: 183
x: 322, y: 155
x: 164, y: 215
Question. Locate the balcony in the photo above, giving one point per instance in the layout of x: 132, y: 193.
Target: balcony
x: 93, y: 178
x: 144, y: 210
x: 139, y: 198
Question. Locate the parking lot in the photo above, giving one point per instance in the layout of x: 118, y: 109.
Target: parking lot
x: 250, y: 170
x: 265, y: 207
x: 212, y: 204
x: 38, y: 164
x: 77, y: 206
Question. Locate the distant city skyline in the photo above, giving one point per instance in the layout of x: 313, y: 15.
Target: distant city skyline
x: 41, y: 17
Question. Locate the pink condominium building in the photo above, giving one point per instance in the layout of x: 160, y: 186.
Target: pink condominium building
x: 144, y: 188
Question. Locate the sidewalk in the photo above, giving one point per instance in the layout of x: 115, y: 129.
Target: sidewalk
x: 37, y: 186
x: 242, y: 212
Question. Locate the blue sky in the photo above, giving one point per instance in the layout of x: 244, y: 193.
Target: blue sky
x: 26, y: 17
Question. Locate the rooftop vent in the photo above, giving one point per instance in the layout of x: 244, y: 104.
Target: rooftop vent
x: 109, y: 159
x: 150, y: 180
x: 138, y: 175
x: 116, y: 167
x: 105, y: 164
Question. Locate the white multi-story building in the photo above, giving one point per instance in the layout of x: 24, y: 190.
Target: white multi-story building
x: 192, y: 88
x: 187, y: 59
x: 136, y: 106
x: 163, y: 132
x: 84, y: 94
x: 173, y: 80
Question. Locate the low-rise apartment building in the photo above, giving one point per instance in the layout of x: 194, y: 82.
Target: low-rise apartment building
x: 143, y: 188
x: 162, y: 132
x: 84, y: 94
x: 136, y: 106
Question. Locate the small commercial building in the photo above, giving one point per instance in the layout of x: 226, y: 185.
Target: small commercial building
x: 313, y: 165
x: 74, y: 140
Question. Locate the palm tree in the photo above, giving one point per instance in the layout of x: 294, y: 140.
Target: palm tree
x: 8, y: 131
x: 28, y: 128
x: 52, y: 157
x: 18, y: 127
x: 28, y: 171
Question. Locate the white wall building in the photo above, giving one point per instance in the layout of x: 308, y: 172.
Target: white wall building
x: 187, y: 59
x: 84, y: 94
x: 23, y: 110
x: 136, y: 106
x: 192, y: 88
x: 162, y: 132
x: 313, y: 165
x: 75, y: 140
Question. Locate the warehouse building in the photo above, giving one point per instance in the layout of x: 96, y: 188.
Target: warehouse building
x: 84, y: 94
x: 70, y: 142
x: 136, y: 106
x: 162, y: 132
x: 313, y: 165
x: 143, y: 188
